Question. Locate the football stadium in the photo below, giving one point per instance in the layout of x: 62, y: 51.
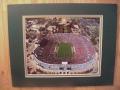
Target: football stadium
x: 62, y: 46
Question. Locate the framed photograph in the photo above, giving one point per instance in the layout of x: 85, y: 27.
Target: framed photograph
x: 62, y: 44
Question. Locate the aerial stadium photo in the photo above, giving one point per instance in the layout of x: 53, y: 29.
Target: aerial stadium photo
x: 62, y: 45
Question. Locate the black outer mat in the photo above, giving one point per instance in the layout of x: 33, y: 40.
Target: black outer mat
x: 15, y: 13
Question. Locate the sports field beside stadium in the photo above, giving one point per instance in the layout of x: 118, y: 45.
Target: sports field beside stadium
x: 64, y: 50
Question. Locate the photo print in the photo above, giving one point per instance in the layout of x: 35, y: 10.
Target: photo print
x: 62, y: 45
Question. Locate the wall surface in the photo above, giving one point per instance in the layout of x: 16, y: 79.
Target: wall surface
x: 5, y: 73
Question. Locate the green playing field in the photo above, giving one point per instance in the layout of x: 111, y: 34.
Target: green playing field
x: 64, y: 50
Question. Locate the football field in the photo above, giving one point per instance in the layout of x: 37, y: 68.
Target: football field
x: 64, y: 50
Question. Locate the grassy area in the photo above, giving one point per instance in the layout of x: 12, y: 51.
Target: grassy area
x: 64, y: 50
